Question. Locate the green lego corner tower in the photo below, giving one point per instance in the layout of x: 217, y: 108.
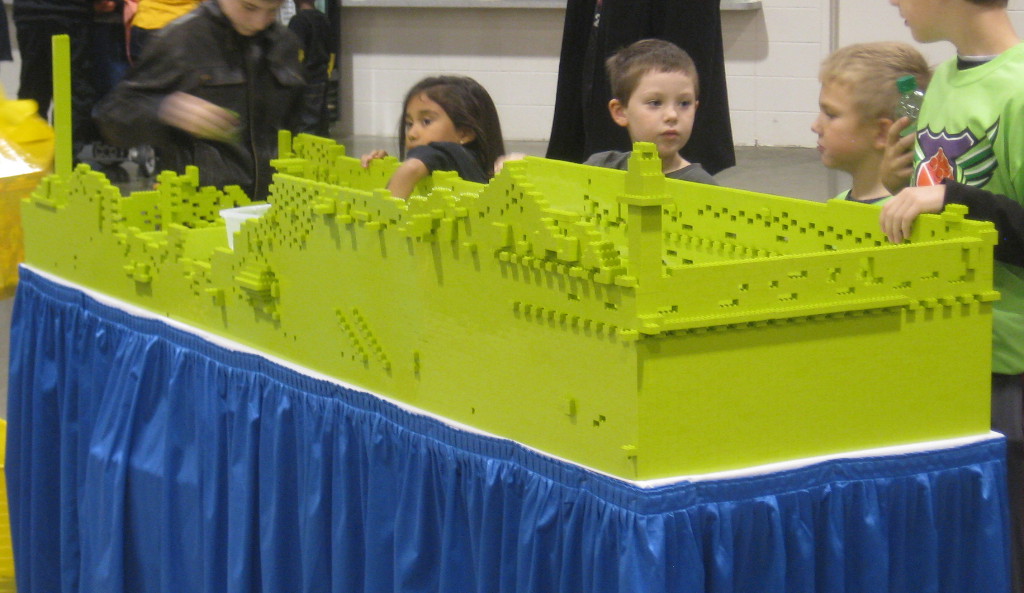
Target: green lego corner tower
x: 640, y: 326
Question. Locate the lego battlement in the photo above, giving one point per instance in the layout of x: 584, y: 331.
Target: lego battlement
x: 641, y: 326
x: 709, y: 241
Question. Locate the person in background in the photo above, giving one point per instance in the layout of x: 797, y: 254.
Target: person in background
x: 970, y: 132
x: 857, y: 100
x: 654, y: 96
x: 593, y: 31
x: 36, y: 22
x: 148, y: 17
x: 1007, y: 215
x: 449, y: 123
x: 313, y: 29
x: 212, y: 90
x: 109, y: 51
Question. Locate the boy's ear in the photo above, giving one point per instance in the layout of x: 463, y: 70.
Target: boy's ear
x: 618, y: 110
x: 882, y: 126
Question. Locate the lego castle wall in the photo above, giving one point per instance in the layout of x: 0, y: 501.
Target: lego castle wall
x: 556, y: 319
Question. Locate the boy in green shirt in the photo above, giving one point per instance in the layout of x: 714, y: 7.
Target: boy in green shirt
x: 971, y: 132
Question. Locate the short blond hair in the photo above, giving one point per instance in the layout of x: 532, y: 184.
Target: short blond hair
x: 870, y: 71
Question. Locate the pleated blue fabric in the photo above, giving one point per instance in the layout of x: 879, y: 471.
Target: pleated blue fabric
x: 144, y: 459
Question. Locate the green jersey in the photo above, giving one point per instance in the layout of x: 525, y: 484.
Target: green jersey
x: 971, y: 130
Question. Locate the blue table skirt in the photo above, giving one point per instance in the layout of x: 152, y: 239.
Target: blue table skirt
x: 142, y: 458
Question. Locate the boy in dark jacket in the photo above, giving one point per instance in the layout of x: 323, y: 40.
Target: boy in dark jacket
x: 212, y: 90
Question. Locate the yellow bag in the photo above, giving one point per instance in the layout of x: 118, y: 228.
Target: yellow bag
x: 26, y: 154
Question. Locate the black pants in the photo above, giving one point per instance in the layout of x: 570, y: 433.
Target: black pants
x: 313, y: 117
x: 1008, y: 418
x: 35, y: 44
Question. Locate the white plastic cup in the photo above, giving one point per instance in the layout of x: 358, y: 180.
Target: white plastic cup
x: 234, y: 217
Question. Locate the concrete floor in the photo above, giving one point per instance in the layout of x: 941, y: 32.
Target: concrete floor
x: 792, y: 172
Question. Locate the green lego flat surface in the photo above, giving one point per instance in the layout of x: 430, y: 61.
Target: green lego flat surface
x: 641, y: 326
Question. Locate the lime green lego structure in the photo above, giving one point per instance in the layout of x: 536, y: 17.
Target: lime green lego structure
x: 641, y: 326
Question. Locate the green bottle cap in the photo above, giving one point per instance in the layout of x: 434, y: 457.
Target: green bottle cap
x: 906, y: 84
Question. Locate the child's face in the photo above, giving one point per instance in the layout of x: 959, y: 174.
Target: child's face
x: 426, y: 122
x: 660, y: 110
x: 921, y: 17
x: 846, y: 139
x: 249, y: 17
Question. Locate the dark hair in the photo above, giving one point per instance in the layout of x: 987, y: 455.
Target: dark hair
x: 995, y: 3
x: 469, y: 107
x: 627, y: 66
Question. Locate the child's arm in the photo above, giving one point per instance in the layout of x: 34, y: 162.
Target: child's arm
x: 898, y: 214
x: 898, y: 160
x: 406, y: 176
x: 198, y: 117
x: 512, y: 156
x: 1007, y: 215
x: 373, y: 154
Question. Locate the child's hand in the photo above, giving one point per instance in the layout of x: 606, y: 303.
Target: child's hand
x: 512, y: 156
x: 374, y: 154
x: 199, y: 117
x: 898, y: 160
x: 899, y: 213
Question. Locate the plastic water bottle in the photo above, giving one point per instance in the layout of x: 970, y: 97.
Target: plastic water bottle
x: 909, y: 104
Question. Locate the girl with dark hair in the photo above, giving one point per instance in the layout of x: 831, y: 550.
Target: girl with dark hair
x: 449, y: 123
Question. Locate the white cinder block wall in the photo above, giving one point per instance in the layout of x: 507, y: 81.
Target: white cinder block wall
x: 772, y: 58
x: 513, y: 53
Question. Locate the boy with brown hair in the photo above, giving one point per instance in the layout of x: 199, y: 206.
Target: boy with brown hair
x: 857, y: 100
x: 970, y: 137
x: 654, y: 89
x: 212, y: 90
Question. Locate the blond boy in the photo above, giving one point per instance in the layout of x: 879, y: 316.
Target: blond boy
x: 857, y: 100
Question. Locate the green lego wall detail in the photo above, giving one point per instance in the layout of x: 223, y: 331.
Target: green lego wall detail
x: 638, y: 325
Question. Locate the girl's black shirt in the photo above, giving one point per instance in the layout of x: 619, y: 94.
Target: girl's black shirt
x: 449, y: 156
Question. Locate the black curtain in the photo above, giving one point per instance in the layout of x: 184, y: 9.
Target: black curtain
x: 5, y: 38
x: 595, y: 29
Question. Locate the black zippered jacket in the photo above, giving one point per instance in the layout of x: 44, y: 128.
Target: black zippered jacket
x: 257, y: 77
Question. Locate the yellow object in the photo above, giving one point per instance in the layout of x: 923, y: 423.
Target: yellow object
x: 6, y: 550
x: 26, y: 154
x: 641, y: 326
x: 155, y: 14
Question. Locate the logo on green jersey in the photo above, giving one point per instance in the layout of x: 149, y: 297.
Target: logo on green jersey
x: 961, y: 157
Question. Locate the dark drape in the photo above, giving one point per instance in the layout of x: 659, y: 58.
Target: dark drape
x: 5, y: 35
x: 582, y: 125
